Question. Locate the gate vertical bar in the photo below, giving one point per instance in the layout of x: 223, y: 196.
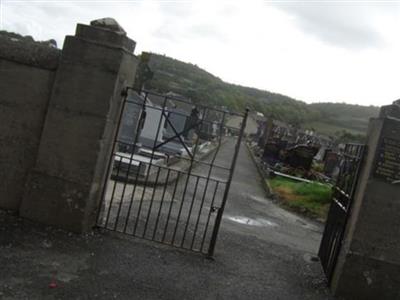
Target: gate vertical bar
x: 208, y: 179
x: 340, y: 209
x: 150, y: 163
x: 124, y: 94
x: 128, y: 171
x: 227, y: 187
x: 141, y: 119
x: 189, y: 173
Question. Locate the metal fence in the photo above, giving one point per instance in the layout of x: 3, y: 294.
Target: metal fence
x: 342, y: 198
x: 170, y: 170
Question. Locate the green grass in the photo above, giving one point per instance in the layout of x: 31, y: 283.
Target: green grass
x: 310, y: 198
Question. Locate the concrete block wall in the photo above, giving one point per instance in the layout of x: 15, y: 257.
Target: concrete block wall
x: 27, y: 71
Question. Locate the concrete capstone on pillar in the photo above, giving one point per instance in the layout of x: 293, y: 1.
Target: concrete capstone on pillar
x: 65, y: 186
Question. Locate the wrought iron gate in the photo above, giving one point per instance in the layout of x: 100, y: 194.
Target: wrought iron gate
x: 169, y: 175
x: 342, y: 198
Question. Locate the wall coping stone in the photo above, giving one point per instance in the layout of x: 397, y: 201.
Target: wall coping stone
x: 391, y: 111
x: 110, y: 24
x: 25, y: 50
x: 105, y: 37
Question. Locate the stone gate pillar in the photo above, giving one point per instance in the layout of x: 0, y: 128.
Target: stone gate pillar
x: 369, y: 262
x: 65, y: 187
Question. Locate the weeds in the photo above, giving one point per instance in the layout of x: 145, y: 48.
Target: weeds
x: 311, y: 198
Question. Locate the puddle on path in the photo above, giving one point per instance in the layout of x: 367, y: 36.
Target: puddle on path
x: 258, y: 198
x: 251, y: 222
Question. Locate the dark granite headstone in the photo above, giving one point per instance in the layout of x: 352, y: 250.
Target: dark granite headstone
x: 273, y: 150
x: 300, y: 156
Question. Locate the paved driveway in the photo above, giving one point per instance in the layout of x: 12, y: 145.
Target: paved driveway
x: 263, y: 252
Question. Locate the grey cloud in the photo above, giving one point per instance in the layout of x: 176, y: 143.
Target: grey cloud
x: 206, y: 31
x: 341, y: 24
x: 166, y: 32
x: 53, y: 20
x: 228, y: 9
x: 174, y: 19
x: 176, y: 31
x: 180, y: 20
x: 176, y: 9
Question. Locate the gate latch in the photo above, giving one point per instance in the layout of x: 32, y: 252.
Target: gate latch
x: 214, y: 208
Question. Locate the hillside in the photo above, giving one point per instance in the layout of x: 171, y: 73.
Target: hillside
x: 191, y: 81
x: 334, y: 116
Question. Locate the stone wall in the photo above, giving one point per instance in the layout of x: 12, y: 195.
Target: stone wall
x: 27, y: 71
x: 64, y: 131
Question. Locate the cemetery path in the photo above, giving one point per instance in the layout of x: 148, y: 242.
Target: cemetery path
x: 263, y: 252
x: 248, y: 211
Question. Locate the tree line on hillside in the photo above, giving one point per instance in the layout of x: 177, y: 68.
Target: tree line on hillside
x: 169, y: 74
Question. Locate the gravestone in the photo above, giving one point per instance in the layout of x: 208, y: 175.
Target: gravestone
x: 331, y: 162
x: 192, y: 124
x: 153, y: 126
x: 131, y: 123
x: 271, y: 154
x: 266, y: 132
x: 300, y: 156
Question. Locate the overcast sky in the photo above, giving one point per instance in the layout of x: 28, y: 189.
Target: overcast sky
x: 315, y: 51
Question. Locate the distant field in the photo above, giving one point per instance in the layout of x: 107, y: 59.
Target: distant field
x: 331, y: 129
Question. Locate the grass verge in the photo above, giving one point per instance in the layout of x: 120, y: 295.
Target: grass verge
x: 312, y: 199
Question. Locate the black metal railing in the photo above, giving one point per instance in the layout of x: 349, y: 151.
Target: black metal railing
x: 342, y: 198
x: 180, y: 204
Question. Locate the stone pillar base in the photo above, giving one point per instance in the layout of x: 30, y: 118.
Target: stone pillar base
x: 368, y: 279
x: 55, y: 201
